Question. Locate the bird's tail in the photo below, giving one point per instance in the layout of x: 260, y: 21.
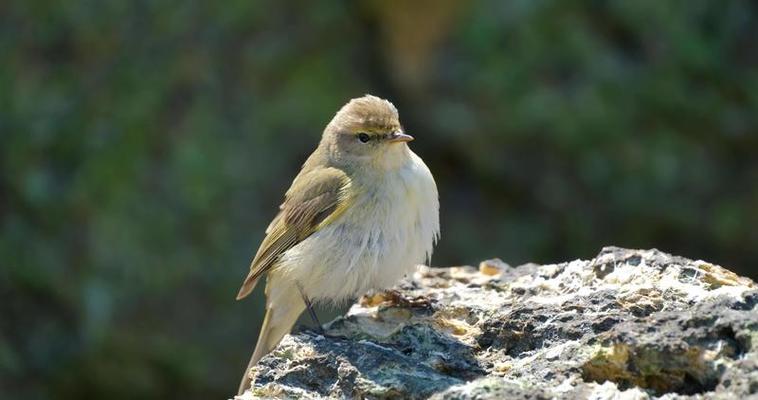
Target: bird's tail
x: 283, y: 307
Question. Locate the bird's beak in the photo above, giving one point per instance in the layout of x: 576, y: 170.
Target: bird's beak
x: 400, y: 137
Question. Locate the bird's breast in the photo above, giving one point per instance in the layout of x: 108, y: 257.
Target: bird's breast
x: 390, y: 226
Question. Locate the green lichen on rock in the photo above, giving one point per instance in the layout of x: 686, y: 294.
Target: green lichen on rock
x: 627, y: 324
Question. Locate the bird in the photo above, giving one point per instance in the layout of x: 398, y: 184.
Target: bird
x: 362, y: 212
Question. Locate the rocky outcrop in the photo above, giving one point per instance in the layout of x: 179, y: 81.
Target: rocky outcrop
x: 628, y: 324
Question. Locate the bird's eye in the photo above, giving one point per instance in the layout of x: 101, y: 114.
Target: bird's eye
x: 363, y: 137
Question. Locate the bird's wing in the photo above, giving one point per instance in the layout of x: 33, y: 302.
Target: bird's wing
x: 314, y: 200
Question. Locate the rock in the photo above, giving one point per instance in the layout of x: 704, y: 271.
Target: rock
x: 628, y: 324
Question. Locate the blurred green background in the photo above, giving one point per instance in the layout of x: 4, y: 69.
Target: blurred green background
x: 145, y: 145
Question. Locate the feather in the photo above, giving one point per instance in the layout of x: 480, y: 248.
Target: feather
x: 315, y: 199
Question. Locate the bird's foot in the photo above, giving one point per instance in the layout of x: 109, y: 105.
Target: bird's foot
x: 395, y: 298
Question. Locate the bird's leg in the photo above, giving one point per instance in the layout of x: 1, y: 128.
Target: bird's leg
x: 311, y: 312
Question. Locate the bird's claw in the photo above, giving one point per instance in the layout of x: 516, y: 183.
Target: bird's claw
x: 394, y: 297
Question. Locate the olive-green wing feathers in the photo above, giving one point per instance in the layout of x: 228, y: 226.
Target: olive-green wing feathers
x: 315, y: 199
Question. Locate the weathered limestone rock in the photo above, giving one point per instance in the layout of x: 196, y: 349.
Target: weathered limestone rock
x: 629, y: 324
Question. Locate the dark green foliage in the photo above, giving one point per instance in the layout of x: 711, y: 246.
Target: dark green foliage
x: 144, y: 147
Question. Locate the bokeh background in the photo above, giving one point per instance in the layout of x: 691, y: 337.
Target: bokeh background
x: 144, y: 146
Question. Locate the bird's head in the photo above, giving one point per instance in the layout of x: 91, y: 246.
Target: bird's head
x: 366, y: 130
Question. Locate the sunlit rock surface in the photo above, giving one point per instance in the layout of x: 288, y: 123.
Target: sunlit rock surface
x: 628, y: 324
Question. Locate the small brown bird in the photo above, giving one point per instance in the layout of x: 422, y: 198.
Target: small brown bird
x: 362, y: 212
